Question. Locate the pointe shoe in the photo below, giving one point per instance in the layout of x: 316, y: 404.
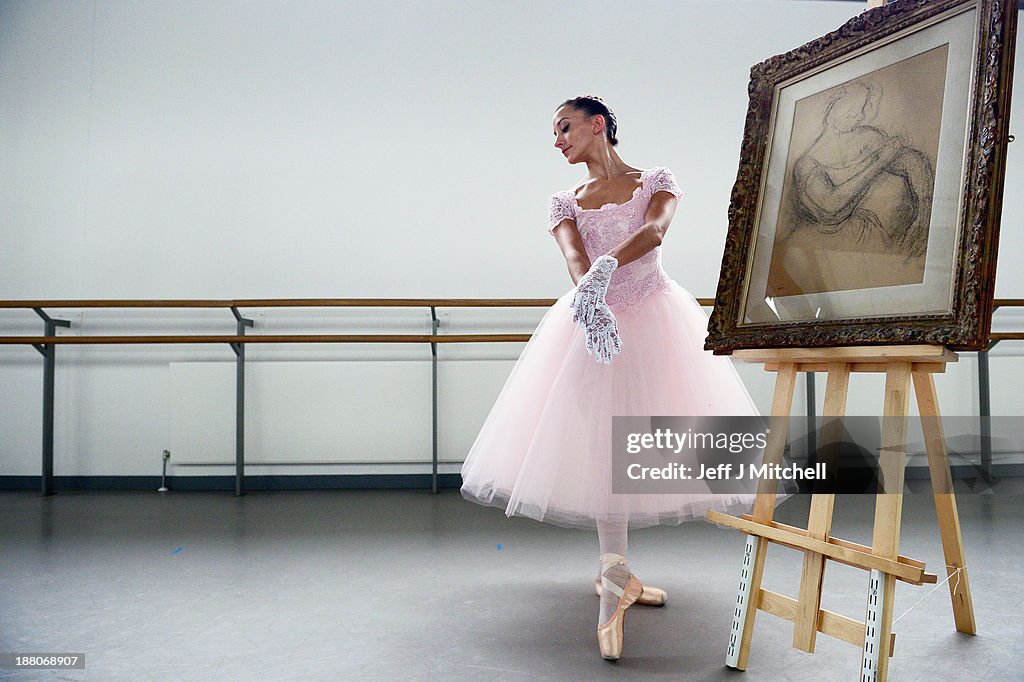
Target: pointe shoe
x: 651, y: 596
x: 609, y: 634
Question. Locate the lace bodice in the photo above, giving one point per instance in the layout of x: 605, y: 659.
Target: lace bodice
x: 604, y: 228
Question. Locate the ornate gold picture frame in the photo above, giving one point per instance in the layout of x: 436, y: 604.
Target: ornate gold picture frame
x: 867, y: 203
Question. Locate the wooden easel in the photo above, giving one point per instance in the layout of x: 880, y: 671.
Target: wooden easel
x: 900, y: 364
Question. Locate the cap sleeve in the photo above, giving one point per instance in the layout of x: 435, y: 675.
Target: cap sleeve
x: 561, y: 208
x: 662, y: 180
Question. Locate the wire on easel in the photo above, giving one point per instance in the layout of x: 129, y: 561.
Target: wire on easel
x: 955, y: 586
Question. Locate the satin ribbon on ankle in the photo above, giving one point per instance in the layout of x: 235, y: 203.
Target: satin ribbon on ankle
x: 610, y: 560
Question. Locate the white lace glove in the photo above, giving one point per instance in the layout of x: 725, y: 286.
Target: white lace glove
x: 589, y: 310
x: 591, y: 289
x: 602, y: 334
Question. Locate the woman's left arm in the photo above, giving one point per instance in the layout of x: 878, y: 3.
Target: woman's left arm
x: 652, y: 233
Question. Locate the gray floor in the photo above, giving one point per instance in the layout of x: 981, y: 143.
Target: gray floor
x: 408, y: 585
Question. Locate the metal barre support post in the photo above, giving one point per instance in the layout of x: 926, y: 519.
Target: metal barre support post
x: 812, y: 438
x: 985, y: 412
x: 433, y: 399
x: 239, y: 348
x: 49, y: 352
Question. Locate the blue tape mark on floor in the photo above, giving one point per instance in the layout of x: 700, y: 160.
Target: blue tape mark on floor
x: 176, y: 551
x: 499, y: 546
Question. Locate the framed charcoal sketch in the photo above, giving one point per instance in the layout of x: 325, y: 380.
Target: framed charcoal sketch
x: 867, y: 203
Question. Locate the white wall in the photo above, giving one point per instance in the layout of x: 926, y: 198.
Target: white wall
x: 347, y: 149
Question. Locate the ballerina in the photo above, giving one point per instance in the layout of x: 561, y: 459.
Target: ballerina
x: 544, y: 450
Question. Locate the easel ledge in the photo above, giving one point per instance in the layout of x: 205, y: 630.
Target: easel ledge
x: 849, y: 354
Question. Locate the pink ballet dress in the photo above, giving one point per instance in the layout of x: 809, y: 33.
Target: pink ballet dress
x: 545, y: 450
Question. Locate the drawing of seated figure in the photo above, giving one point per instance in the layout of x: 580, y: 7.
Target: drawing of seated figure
x: 870, y: 189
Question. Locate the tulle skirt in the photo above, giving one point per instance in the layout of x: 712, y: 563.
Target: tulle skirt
x: 545, y: 449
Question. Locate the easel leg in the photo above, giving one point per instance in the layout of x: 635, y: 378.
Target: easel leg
x: 889, y: 501
x: 945, y: 503
x: 764, y: 509
x: 744, y: 597
x: 819, y: 521
x: 872, y: 627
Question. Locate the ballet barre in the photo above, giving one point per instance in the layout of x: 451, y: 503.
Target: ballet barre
x: 47, y: 343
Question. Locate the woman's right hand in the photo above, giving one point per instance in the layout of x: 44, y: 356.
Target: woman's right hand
x: 591, y: 290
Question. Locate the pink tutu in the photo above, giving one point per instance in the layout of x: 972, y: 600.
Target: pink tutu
x: 545, y: 450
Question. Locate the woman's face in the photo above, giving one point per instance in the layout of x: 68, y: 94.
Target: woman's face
x: 849, y: 109
x: 573, y: 133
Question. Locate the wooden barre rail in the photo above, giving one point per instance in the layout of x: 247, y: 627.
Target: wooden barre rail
x: 293, y: 303
x: 235, y: 304
x: 1005, y: 336
x: 310, y: 338
x: 266, y: 338
x: 333, y: 303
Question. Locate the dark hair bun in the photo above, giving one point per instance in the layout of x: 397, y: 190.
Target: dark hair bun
x: 592, y: 105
